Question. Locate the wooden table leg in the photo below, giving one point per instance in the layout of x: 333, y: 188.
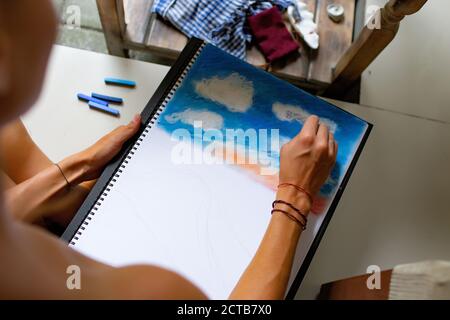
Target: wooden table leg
x: 112, y: 18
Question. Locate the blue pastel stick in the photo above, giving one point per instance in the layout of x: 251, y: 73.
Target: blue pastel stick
x: 101, y: 107
x: 89, y: 99
x: 120, y: 82
x: 107, y: 98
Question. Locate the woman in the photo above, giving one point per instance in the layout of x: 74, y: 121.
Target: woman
x: 34, y: 262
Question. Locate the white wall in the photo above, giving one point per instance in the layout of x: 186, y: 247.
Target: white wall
x: 395, y: 208
x: 412, y: 75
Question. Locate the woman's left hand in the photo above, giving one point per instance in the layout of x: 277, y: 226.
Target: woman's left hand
x: 90, y: 163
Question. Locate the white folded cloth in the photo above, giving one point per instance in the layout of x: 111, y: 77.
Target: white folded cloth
x: 428, y: 280
x: 302, y: 20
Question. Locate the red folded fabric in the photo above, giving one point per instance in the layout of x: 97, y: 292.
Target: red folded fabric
x: 271, y: 35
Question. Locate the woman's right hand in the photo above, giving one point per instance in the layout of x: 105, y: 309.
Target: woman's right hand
x: 307, y: 160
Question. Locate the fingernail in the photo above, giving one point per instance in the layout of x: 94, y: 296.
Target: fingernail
x: 137, y: 118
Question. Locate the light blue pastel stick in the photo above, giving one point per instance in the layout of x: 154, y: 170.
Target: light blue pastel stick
x: 87, y: 99
x: 107, y: 98
x: 106, y: 109
x: 120, y: 82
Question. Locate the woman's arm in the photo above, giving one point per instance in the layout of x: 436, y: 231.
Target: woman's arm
x: 306, y: 161
x: 35, y: 266
x: 43, y: 194
x: 21, y: 157
x: 48, y: 194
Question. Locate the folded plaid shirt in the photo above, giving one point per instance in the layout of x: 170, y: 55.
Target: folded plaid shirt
x: 220, y: 22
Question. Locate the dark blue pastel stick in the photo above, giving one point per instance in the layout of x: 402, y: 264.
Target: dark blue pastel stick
x: 89, y: 99
x: 106, y: 109
x: 106, y: 98
x: 120, y: 82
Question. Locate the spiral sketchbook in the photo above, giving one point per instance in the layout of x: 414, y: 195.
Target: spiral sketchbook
x: 192, y: 192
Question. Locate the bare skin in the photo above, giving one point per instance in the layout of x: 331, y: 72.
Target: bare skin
x: 306, y: 161
x: 34, y: 262
x: 28, y: 171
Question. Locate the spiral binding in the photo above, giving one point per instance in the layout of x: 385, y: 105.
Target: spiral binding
x: 135, y: 147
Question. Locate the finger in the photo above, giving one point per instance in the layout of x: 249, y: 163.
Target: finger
x: 331, y: 146
x: 123, y: 133
x: 135, y: 123
x: 131, y: 128
x: 332, y: 149
x: 322, y: 133
x: 310, y: 127
x: 336, y: 148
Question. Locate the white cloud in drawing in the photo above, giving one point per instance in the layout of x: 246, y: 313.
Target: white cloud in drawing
x: 287, y: 112
x: 208, y: 119
x: 235, y: 92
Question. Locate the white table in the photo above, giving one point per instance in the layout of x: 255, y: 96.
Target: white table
x: 61, y: 124
x: 395, y: 209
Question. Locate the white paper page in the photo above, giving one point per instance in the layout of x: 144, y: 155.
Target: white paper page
x: 202, y: 221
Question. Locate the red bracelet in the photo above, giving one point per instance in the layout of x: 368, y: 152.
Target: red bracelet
x: 290, y: 205
x: 290, y: 216
x: 298, y: 188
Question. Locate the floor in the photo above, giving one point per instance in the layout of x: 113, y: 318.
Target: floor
x: 89, y: 35
x: 396, y: 201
